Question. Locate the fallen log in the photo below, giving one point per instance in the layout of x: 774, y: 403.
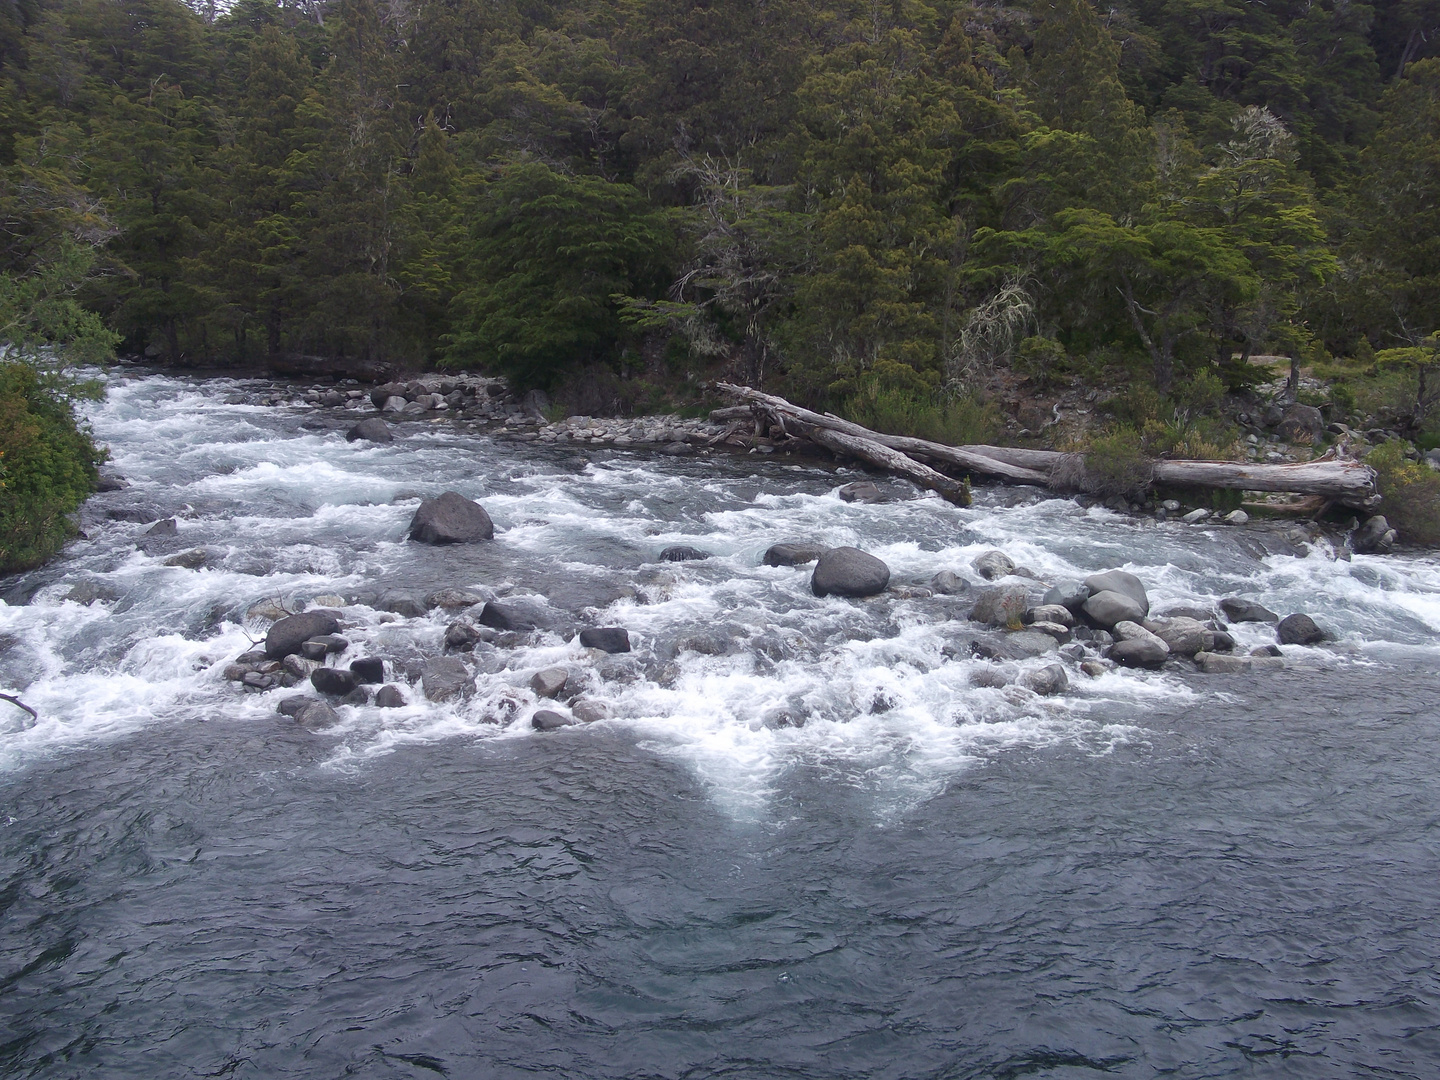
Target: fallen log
x: 890, y: 460
x: 1350, y: 483
x: 966, y: 457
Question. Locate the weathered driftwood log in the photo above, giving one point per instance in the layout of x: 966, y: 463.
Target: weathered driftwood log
x: 891, y: 460
x: 1350, y: 483
x: 961, y: 457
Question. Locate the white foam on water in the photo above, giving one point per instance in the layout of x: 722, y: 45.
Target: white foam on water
x: 729, y: 653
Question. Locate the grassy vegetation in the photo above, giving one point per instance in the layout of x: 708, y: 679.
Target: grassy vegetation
x: 47, y: 465
x: 922, y: 413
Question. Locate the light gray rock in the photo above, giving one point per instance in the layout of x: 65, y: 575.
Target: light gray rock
x: 848, y: 571
x: 862, y: 491
x: 551, y: 720
x: 1028, y: 642
x: 1194, y: 517
x: 549, y: 682
x: 949, y: 583
x: 1142, y: 653
x: 1093, y: 668
x: 989, y: 677
x: 1048, y: 680
x: 1237, y: 517
x: 1054, y: 613
x: 446, y: 678
x: 1106, y: 608
x: 1185, y: 637
x: 316, y: 715
x: 1119, y: 581
x: 451, y: 518
x: 1216, y: 664
x: 403, y: 603
x: 1132, y: 631
x: 992, y: 565
x: 454, y: 599
x: 1375, y: 537
x: 1058, y: 631
x: 1001, y: 605
x: 588, y: 710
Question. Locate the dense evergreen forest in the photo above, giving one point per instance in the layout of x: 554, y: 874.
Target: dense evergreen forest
x: 822, y: 194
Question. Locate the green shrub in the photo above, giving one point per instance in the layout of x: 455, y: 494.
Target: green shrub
x: 47, y: 466
x: 1411, y: 494
x: 1116, y: 462
x: 954, y: 419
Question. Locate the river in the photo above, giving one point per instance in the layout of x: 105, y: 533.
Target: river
x: 804, y: 844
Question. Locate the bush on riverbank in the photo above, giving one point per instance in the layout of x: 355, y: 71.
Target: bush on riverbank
x: 1411, y: 492
x: 47, y: 465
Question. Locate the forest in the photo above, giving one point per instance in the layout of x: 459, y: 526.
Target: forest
x: 864, y: 205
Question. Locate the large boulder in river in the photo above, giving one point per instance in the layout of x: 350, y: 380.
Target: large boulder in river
x: 521, y: 616
x: 792, y: 554
x: 1147, y: 652
x: 1299, y: 630
x: 451, y: 518
x: 1068, y: 594
x: 848, y: 571
x: 1107, y: 607
x: 1185, y: 637
x: 1238, y: 609
x: 1121, y: 582
x: 372, y: 430
x: 289, y: 633
x: 1003, y: 605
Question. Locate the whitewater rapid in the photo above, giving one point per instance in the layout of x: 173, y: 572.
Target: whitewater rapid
x: 729, y: 654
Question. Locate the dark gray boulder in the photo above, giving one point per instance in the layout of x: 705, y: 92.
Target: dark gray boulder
x: 445, y: 678
x: 358, y: 696
x: 683, y: 553
x: 371, y: 430
x: 549, y: 682
x: 369, y: 669
x: 1106, y: 607
x: 550, y: 720
x: 316, y: 715
x: 949, y: 583
x: 1301, y: 423
x: 292, y: 705
x: 517, y: 615
x: 168, y: 527
x: 389, y: 697
x: 1238, y: 609
x: 848, y: 571
x: 451, y: 518
x: 792, y: 554
x: 289, y: 633
x: 1068, y: 594
x: 410, y: 605
x: 992, y: 565
x: 334, y: 681
x: 1123, y: 583
x: 317, y: 648
x: 1299, y: 630
x: 1375, y: 537
x: 610, y: 639
x: 1139, y: 653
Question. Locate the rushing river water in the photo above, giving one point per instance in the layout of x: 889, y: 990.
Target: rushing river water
x: 1155, y: 873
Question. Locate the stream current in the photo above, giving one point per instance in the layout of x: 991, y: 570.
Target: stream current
x: 803, y: 845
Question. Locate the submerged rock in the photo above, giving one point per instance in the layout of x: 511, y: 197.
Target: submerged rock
x: 1001, y: 605
x: 1215, y: 664
x: 289, y: 633
x: 683, y: 553
x: 316, y: 715
x: 862, y: 491
x: 1238, y: 609
x: 445, y: 678
x: 389, y: 697
x: 797, y: 554
x: 451, y: 518
x: 372, y: 430
x: 949, y: 583
x: 848, y: 571
x: 549, y: 682
x: 1050, y: 679
x: 551, y: 720
x: 992, y: 565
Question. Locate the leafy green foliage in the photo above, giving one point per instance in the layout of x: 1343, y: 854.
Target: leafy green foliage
x: 47, y: 465
x: 1410, y: 491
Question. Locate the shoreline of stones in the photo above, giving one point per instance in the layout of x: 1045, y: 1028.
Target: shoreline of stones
x: 1097, y: 625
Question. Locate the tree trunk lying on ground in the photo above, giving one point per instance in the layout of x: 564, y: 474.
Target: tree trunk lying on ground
x: 1350, y: 483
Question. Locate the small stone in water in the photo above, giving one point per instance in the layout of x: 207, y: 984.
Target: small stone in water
x: 550, y: 720
x: 610, y: 639
x: 682, y: 553
x: 389, y: 697
x: 549, y: 682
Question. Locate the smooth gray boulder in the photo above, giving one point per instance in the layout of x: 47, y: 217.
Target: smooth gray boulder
x: 949, y: 583
x: 292, y: 705
x: 792, y: 554
x: 288, y: 634
x: 1059, y: 631
x: 1375, y: 537
x: 451, y: 518
x: 848, y: 571
x: 518, y: 615
x: 1106, y: 608
x: 1068, y: 594
x: 1238, y: 609
x: 454, y: 599
x: 550, y: 720
x: 1001, y: 605
x: 1123, y: 583
x: 610, y: 639
x: 167, y: 527
x: 371, y: 430
x: 1140, y: 652
x: 1050, y: 679
x: 588, y: 710
x: 332, y: 681
x: 317, y: 648
x: 408, y: 604
x: 1053, y: 613
x: 445, y: 678
x: 992, y: 565
x: 1185, y: 637
x: 1299, y: 630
